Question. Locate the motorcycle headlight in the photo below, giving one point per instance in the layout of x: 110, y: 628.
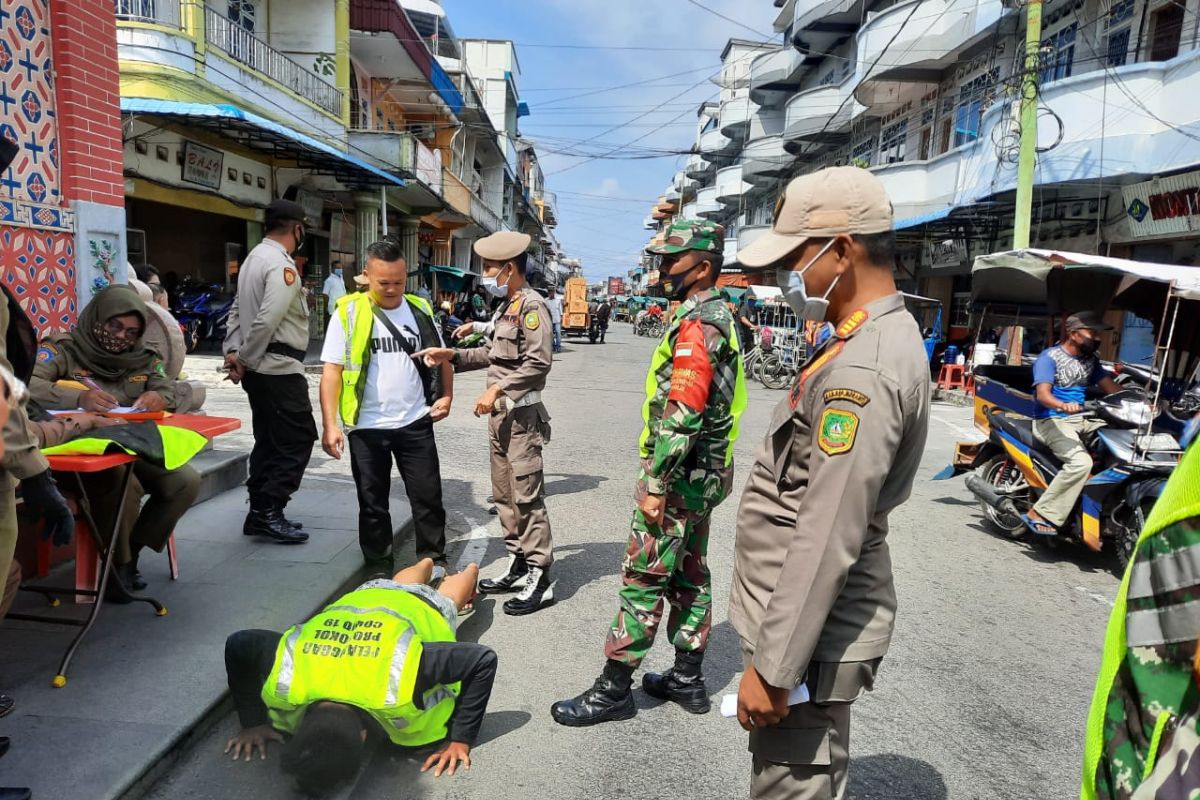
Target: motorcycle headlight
x: 1132, y: 412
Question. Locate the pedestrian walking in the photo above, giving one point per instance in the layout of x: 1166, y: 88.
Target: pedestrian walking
x: 812, y: 592
x: 556, y: 314
x: 518, y: 361
x: 264, y: 352
x: 389, y: 401
x: 334, y: 289
x: 603, y: 314
x: 696, y: 395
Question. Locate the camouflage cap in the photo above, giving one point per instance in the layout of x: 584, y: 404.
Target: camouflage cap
x: 691, y: 234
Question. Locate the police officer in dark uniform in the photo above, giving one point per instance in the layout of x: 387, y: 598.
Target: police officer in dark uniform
x: 264, y: 351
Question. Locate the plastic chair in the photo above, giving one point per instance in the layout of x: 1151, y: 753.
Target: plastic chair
x: 951, y: 376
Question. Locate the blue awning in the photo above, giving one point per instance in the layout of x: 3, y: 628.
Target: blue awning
x: 932, y: 216
x: 446, y: 269
x: 268, y: 138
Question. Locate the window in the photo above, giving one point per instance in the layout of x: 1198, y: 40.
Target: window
x: 243, y: 13
x: 893, y: 143
x: 1167, y: 26
x: 1118, y: 47
x: 863, y: 152
x: 966, y: 122
x: 1058, y: 54
x: 960, y: 310
x: 1117, y: 27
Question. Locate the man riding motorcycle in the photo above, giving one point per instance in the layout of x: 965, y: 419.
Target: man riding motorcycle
x: 1061, y: 377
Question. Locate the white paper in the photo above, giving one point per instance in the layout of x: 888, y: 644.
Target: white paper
x: 117, y: 410
x: 795, y: 697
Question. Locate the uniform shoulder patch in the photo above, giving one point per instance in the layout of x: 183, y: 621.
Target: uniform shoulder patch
x: 848, y: 395
x: 289, y: 276
x: 46, y: 353
x: 532, y: 320
x: 836, y: 431
x: 852, y: 323
x: 514, y: 307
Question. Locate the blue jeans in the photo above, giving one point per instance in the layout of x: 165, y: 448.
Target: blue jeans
x: 557, y: 337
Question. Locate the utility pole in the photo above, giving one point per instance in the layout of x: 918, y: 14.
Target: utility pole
x: 1027, y: 160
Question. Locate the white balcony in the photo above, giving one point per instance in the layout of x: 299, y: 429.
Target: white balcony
x: 714, y: 144
x: 683, y: 184
x: 731, y: 249
x: 650, y: 224
x: 730, y: 186
x: 820, y: 115
x: 706, y: 203
x: 735, y: 117
x: 917, y: 188
x: 920, y: 52
x: 688, y: 211
x: 765, y: 160
x: 818, y: 25
x: 697, y: 167
x: 749, y: 234
x: 775, y: 76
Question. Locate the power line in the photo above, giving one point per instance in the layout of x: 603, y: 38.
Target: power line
x: 714, y: 12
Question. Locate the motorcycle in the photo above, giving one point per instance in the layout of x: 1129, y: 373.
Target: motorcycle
x: 650, y: 325
x: 202, y: 311
x: 1011, y: 469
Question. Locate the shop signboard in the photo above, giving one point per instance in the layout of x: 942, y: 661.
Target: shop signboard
x: 1163, y: 206
x: 616, y: 286
x: 947, y: 253
x: 202, y: 165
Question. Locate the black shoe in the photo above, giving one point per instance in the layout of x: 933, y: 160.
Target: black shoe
x: 270, y: 523
x: 609, y: 699
x: 380, y: 567
x: 493, y: 510
x: 115, y: 590
x: 682, y: 684
x: 514, y: 580
x: 12, y: 793
x: 6, y: 705
x: 3, y: 745
x: 491, y: 500
x: 534, y: 597
x: 130, y: 577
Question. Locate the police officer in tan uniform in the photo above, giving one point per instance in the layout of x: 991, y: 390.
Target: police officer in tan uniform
x: 812, y: 594
x: 264, y: 351
x: 518, y: 424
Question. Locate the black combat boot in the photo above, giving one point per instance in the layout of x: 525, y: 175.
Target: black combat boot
x: 130, y: 575
x: 609, y: 699
x: 514, y: 580
x: 267, y: 520
x: 536, y: 595
x: 682, y: 683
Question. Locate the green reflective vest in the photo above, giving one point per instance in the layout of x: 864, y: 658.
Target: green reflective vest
x: 363, y: 650
x: 163, y: 445
x: 1146, y: 696
x: 712, y: 310
x: 358, y: 321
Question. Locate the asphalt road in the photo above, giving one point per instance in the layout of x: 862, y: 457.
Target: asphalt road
x: 983, y: 695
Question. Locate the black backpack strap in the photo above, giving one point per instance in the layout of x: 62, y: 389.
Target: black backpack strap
x: 431, y: 381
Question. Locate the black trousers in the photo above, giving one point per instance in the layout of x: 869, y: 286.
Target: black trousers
x: 414, y: 450
x: 284, y: 433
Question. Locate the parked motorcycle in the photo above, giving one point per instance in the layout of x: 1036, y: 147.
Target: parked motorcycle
x: 202, y: 311
x: 650, y: 325
x: 1012, y: 469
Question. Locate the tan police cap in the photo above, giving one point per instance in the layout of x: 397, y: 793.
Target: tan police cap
x: 819, y: 205
x: 503, y: 246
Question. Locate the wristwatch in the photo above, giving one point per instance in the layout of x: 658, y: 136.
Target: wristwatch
x: 454, y: 358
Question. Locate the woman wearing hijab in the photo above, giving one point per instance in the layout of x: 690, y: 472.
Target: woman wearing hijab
x: 105, y: 355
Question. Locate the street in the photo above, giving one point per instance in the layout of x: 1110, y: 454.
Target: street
x: 983, y: 695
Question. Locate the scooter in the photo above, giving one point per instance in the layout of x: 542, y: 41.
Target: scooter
x: 1012, y: 469
x: 203, y: 314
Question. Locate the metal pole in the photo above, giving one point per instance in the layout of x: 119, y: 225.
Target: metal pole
x: 1027, y: 161
x: 383, y: 208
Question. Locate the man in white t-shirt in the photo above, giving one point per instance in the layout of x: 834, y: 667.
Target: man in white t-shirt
x: 389, y: 403
x: 334, y: 289
x: 556, y: 312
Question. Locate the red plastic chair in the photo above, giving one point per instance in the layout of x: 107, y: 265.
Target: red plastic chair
x: 951, y: 376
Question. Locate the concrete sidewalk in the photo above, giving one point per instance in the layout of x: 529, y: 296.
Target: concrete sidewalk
x: 140, y: 684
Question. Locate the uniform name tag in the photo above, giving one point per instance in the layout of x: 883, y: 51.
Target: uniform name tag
x: 138, y: 378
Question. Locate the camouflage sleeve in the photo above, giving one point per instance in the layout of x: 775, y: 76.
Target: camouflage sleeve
x: 694, y: 362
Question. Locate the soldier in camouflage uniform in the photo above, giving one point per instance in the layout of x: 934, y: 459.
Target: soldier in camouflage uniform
x: 695, y: 394
x: 1143, y: 737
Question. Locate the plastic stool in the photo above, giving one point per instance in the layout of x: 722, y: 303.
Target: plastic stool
x: 87, y: 561
x: 969, y: 386
x: 951, y: 376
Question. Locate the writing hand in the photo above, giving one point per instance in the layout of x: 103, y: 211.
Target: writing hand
x: 97, y: 400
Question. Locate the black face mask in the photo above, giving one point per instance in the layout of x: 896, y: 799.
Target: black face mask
x: 299, y: 234
x: 674, y: 287
x: 1089, y: 347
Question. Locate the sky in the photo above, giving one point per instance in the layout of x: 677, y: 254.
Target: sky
x: 568, y: 51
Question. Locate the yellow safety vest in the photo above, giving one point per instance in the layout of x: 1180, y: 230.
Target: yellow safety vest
x: 358, y: 321
x: 363, y: 650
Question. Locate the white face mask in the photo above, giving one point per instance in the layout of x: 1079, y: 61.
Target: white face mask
x: 492, y: 286
x: 791, y: 282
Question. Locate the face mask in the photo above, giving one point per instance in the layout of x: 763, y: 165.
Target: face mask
x: 673, y: 287
x: 791, y: 282
x: 492, y: 286
x: 299, y: 234
x: 111, y: 342
x: 1089, y: 347
x: 337, y: 272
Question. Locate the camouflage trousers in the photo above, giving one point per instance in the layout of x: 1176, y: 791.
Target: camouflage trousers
x: 668, y: 563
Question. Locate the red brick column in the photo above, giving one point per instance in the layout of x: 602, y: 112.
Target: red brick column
x: 84, y: 33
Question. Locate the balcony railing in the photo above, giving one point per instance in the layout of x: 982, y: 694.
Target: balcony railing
x: 155, y: 12
x: 243, y: 46
x: 488, y: 220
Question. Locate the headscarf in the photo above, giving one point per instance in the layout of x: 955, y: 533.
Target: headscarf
x: 83, y: 345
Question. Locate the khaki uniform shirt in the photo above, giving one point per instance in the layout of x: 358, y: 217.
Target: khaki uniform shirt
x: 519, y: 358
x: 269, y: 307
x: 22, y: 459
x: 56, y: 364
x: 812, y: 574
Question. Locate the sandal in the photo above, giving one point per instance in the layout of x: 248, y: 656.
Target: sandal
x: 466, y: 612
x: 438, y: 575
x: 1038, y: 527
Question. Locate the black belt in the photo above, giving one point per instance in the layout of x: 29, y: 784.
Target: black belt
x: 281, y: 349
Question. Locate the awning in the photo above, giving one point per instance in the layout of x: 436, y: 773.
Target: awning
x: 768, y: 294
x: 446, y: 269
x: 932, y: 216
x: 268, y: 138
